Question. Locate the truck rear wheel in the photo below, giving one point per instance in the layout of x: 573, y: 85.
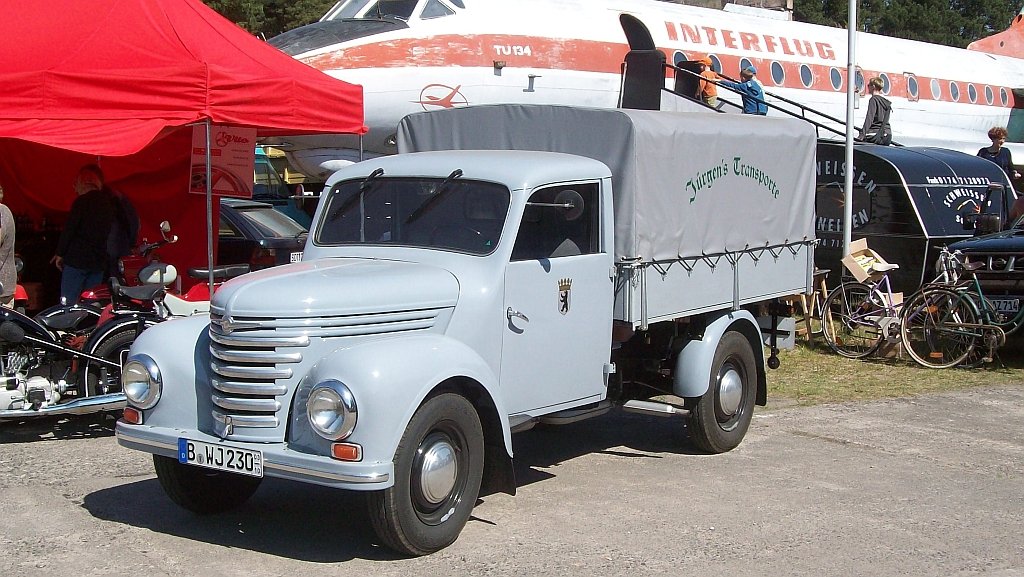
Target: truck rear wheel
x: 720, y: 417
x: 438, y: 469
x: 200, y: 490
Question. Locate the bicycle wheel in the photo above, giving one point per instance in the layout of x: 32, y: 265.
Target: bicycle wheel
x: 939, y: 327
x: 849, y: 320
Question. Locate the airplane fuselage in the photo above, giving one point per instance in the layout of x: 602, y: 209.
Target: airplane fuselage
x: 571, y: 52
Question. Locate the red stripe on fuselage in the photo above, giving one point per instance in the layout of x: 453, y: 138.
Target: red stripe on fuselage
x: 481, y: 51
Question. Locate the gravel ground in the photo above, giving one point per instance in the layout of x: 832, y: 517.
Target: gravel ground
x: 932, y: 485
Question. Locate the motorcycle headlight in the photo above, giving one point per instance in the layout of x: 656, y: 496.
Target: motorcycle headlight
x: 331, y: 410
x: 140, y: 381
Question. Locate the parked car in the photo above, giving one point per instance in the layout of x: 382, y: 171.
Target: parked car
x: 269, y: 187
x: 256, y: 234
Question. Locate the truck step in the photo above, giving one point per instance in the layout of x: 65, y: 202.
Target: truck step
x: 653, y: 408
x: 573, y: 415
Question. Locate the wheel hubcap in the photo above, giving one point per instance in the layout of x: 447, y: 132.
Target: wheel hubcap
x: 439, y: 469
x: 730, y: 391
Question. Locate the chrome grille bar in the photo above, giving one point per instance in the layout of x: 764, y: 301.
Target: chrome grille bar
x: 245, y: 404
x: 247, y: 388
x: 253, y: 356
x: 252, y: 372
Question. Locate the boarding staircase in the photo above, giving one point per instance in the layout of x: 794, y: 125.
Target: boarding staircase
x: 644, y: 86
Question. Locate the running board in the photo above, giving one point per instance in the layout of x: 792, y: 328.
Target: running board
x: 653, y: 408
x: 573, y: 415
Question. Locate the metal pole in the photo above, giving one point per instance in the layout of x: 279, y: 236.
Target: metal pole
x: 851, y: 94
x: 209, y: 210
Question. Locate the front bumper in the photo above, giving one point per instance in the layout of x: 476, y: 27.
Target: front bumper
x: 278, y: 460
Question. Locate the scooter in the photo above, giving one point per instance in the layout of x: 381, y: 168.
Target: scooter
x: 140, y: 267
x: 134, y: 309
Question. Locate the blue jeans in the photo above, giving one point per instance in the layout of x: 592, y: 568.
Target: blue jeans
x: 74, y: 280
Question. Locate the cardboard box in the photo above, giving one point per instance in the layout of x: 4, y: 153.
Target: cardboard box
x: 863, y: 263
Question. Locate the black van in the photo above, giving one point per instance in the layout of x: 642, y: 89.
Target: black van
x: 906, y: 202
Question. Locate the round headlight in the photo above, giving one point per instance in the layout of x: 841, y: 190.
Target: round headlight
x: 331, y: 410
x: 140, y: 381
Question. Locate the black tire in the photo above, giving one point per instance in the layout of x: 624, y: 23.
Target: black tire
x: 720, y: 418
x: 849, y: 320
x: 113, y: 346
x: 412, y: 517
x: 203, y: 491
x: 939, y: 328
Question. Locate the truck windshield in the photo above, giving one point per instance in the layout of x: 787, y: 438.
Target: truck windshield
x: 443, y: 213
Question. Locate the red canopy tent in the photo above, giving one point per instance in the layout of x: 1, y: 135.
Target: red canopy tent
x: 121, y: 81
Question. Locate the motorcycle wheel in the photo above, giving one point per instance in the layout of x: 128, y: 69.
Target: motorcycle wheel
x: 100, y: 380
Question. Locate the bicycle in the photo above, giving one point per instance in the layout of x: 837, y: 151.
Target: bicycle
x: 858, y: 316
x: 987, y: 330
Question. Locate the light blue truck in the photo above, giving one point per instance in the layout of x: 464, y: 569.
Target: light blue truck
x: 567, y: 261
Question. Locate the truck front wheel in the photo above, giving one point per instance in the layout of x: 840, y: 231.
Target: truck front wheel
x: 438, y: 469
x: 200, y: 490
x: 720, y: 417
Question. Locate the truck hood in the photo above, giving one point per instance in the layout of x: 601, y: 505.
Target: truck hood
x: 1011, y: 240
x: 337, y: 286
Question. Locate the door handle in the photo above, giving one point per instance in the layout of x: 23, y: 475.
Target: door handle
x: 515, y: 314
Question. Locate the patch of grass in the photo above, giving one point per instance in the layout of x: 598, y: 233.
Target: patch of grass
x: 812, y: 374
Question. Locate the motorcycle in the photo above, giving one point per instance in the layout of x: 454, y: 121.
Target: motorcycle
x: 68, y: 361
x: 38, y: 371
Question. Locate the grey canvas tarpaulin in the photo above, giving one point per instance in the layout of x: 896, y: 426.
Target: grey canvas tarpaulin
x: 685, y: 184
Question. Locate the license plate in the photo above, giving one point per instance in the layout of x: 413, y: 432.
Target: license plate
x: 220, y: 457
x: 1010, y: 305
x: 296, y: 257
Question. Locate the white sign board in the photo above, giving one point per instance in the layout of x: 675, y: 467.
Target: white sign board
x: 232, y: 155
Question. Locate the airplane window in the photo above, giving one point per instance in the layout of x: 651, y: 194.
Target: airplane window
x: 778, y: 74
x: 745, y: 63
x: 398, y: 8
x: 912, y: 87
x: 858, y: 80
x: 1004, y: 96
x: 435, y: 9
x: 805, y: 75
x: 346, y: 9
x: 972, y: 93
x: 886, y: 86
x: 678, y: 57
x: 936, y: 90
x: 458, y: 4
x: 837, y: 78
x: 716, y: 64
x: 989, y: 96
x: 954, y: 91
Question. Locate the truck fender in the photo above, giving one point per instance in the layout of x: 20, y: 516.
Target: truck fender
x: 390, y: 379
x: 693, y: 365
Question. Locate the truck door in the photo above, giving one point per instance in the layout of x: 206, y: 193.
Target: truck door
x: 558, y: 303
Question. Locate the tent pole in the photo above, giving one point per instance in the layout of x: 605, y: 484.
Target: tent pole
x: 360, y: 148
x: 209, y: 211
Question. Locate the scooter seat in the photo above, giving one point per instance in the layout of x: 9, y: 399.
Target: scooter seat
x: 145, y: 292
x: 219, y: 272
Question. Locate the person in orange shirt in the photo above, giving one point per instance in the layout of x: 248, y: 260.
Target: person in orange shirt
x: 708, y: 90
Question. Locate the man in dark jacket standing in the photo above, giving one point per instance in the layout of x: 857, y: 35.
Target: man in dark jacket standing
x: 82, y: 248
x: 876, y: 121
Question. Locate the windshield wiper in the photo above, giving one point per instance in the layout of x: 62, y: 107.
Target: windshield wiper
x: 438, y: 194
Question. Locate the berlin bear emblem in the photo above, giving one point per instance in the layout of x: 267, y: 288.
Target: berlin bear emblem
x: 564, y: 298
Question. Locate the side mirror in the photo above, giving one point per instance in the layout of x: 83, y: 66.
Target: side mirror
x: 987, y: 224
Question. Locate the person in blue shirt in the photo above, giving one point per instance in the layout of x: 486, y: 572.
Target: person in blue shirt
x: 750, y: 91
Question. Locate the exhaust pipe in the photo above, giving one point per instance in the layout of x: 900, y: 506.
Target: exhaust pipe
x: 88, y: 405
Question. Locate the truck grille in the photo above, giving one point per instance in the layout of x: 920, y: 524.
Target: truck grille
x: 257, y: 362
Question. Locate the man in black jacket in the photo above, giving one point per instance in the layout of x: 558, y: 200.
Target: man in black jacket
x: 82, y: 248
